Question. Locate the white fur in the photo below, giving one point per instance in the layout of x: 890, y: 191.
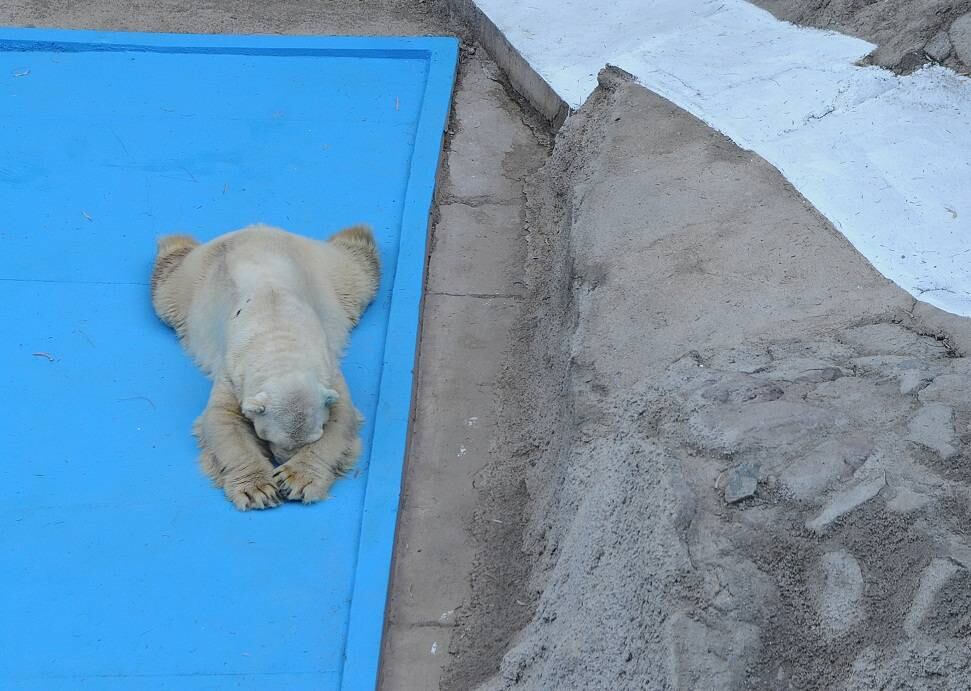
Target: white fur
x: 266, y: 314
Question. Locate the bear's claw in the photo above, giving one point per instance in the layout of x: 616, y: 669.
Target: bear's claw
x: 255, y: 493
x: 299, y: 482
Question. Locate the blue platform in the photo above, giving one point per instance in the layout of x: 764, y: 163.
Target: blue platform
x: 121, y: 567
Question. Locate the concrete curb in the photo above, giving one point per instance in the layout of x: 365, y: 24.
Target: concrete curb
x: 524, y: 79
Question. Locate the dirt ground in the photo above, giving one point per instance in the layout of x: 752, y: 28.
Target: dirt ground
x: 745, y: 453
x: 908, y: 33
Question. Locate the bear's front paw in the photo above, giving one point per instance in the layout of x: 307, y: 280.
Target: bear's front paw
x: 252, y: 491
x: 304, y: 482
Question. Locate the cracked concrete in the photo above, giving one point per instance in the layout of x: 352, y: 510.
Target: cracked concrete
x: 473, y: 296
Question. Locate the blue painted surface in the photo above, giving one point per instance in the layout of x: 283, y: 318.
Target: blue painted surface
x: 122, y: 567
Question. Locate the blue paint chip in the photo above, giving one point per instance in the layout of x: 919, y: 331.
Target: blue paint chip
x: 122, y: 566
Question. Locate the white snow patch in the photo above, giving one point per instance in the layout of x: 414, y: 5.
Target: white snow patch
x: 887, y: 159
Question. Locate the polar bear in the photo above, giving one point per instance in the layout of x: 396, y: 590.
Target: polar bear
x: 266, y: 315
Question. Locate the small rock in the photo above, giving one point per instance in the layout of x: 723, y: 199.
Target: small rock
x: 818, y: 376
x: 933, y: 428
x: 739, y: 388
x: 913, y: 380
x: 937, y: 573
x: 939, y: 47
x: 960, y: 35
x: 808, y: 476
x: 950, y: 389
x: 959, y: 551
x: 846, y: 501
x: 743, y: 480
x: 841, y: 593
x: 762, y: 424
x: 802, y: 369
x: 892, y: 339
x: 911, y: 61
x: 906, y: 500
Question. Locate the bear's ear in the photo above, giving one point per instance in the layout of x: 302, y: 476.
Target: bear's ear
x: 328, y: 396
x: 255, y: 405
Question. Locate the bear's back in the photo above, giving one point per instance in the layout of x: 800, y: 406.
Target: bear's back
x: 239, y: 270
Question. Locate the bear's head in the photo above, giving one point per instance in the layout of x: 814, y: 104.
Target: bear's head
x: 289, y: 412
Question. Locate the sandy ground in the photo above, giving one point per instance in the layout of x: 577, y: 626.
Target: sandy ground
x: 746, y: 452
x: 908, y: 33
